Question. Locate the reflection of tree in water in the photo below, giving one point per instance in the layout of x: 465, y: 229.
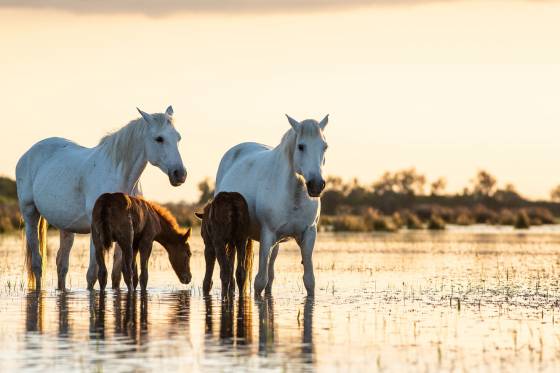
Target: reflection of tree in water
x: 34, y: 311
x: 267, y: 337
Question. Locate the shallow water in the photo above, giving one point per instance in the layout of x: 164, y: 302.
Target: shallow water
x: 466, y: 299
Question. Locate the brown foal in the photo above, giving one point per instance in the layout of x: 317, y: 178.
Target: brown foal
x: 225, y: 230
x: 135, y: 224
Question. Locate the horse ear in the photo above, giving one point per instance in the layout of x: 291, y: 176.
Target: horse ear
x: 147, y: 117
x: 169, y: 111
x: 199, y: 215
x: 324, y: 122
x: 294, y: 123
x: 187, y: 234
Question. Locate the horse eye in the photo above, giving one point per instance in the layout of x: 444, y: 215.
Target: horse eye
x: 159, y: 139
x: 301, y: 147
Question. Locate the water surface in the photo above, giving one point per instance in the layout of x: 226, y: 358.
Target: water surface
x: 466, y: 299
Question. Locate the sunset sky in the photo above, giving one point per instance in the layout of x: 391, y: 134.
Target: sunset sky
x: 448, y: 87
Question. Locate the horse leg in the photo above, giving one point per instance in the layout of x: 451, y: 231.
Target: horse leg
x: 223, y: 261
x: 135, y: 269
x: 127, y: 265
x: 116, y: 273
x: 145, y: 253
x: 241, y: 272
x: 231, y: 264
x: 126, y: 241
x: 266, y: 244
x: 273, y: 255
x: 210, y: 259
x: 63, y: 257
x: 100, y: 257
x: 92, y: 268
x: 31, y: 218
x: 306, y: 244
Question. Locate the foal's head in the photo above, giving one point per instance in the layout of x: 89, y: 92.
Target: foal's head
x: 309, y: 153
x: 179, y: 252
x: 161, y: 145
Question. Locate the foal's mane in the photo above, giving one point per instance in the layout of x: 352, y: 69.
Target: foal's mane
x: 166, y: 215
x: 119, y: 145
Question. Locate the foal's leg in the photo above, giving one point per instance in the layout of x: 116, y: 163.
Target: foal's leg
x: 273, y: 255
x: 267, y: 242
x: 135, y: 268
x: 241, y: 272
x: 128, y: 256
x: 63, y: 257
x: 145, y: 253
x: 306, y: 243
x: 223, y: 261
x: 210, y: 259
x: 116, y: 273
x: 100, y: 257
x: 92, y: 268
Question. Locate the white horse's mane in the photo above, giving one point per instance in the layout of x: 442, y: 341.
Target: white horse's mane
x: 121, y: 145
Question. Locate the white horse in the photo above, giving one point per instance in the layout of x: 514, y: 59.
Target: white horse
x: 282, y: 186
x: 59, y: 180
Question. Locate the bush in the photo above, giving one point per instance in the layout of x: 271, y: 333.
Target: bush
x: 436, y: 223
x: 464, y: 218
x: 507, y: 217
x: 522, y: 221
x: 413, y: 221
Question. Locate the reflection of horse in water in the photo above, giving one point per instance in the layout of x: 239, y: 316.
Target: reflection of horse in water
x: 126, y: 318
x: 244, y: 317
x: 34, y: 311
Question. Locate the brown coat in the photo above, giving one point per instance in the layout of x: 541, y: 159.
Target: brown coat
x: 135, y: 224
x: 225, y: 231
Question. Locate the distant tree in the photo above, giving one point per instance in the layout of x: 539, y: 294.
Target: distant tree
x: 387, y: 183
x: 410, y: 182
x: 555, y: 194
x: 484, y: 184
x: 438, y: 187
x: 206, y: 191
x: 334, y: 182
x: 507, y: 196
x: 8, y: 188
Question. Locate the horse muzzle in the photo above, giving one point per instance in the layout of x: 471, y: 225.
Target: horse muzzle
x: 315, y: 187
x: 177, y: 176
x: 186, y: 279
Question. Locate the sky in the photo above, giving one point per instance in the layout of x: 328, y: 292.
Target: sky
x: 446, y: 87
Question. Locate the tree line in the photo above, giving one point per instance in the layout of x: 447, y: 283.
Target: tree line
x: 404, y: 198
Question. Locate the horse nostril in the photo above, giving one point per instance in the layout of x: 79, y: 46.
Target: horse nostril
x: 323, y: 184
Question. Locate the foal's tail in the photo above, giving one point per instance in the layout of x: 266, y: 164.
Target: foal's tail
x: 42, y: 231
x: 100, y: 227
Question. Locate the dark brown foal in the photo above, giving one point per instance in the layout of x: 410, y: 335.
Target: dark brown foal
x: 135, y: 224
x: 225, y: 231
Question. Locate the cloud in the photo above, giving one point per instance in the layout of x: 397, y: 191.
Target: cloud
x: 166, y: 7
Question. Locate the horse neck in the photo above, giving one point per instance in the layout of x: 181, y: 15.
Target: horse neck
x: 128, y: 166
x: 167, y: 233
x: 284, y: 159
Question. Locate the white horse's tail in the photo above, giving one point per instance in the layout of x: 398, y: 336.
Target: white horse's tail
x: 248, y: 266
x: 42, y: 231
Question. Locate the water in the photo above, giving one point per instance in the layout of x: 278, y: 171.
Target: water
x: 465, y: 299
